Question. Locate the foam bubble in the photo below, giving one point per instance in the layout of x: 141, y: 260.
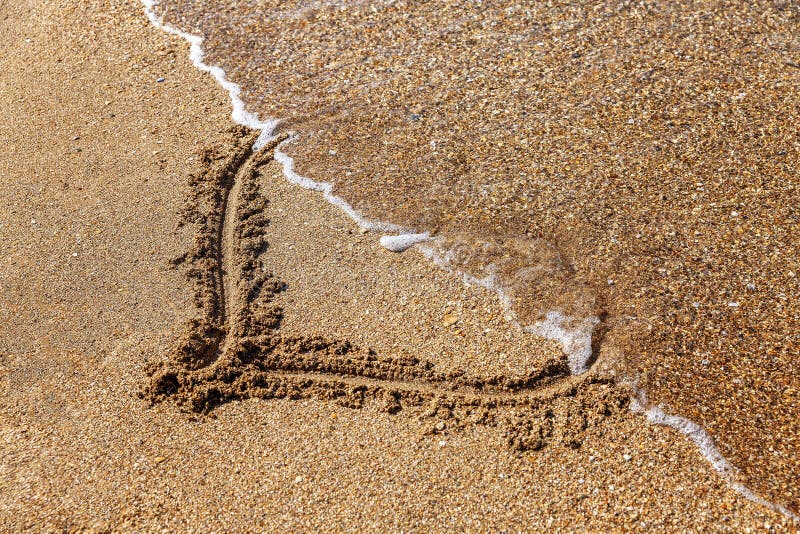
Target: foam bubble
x: 574, y: 334
x: 399, y: 243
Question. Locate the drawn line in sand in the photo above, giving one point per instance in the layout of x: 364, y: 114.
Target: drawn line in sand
x: 234, y: 348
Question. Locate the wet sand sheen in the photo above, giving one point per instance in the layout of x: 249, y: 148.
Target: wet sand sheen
x: 633, y: 162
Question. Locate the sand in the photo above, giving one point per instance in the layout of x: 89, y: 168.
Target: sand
x: 635, y: 163
x: 100, y: 226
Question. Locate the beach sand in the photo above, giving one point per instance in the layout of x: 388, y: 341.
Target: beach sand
x: 96, y: 209
x: 638, y: 163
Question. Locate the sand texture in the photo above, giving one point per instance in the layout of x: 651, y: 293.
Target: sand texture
x: 190, y: 343
x: 636, y: 163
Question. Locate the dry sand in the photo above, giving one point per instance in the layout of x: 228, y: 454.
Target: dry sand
x: 98, y: 153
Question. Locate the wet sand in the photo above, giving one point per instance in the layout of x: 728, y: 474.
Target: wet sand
x: 636, y: 163
x: 96, y: 195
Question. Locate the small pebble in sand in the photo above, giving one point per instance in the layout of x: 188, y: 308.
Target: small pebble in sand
x: 449, y: 320
x: 160, y: 80
x: 626, y: 457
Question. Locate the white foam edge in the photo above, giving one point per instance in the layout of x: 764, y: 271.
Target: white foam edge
x: 707, y: 447
x: 241, y: 116
x: 326, y: 188
x: 572, y: 333
x: 239, y: 113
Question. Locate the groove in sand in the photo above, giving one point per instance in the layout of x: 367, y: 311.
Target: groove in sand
x: 230, y: 305
x: 234, y: 348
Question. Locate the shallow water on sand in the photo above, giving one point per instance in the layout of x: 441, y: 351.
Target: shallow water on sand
x: 634, y: 162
